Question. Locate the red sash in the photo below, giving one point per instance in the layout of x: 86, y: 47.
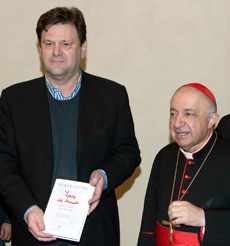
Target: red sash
x: 179, y: 238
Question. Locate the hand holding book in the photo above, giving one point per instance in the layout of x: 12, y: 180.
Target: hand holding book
x: 67, y: 209
x: 97, y: 180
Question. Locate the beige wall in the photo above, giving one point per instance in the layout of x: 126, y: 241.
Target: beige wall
x: 150, y: 46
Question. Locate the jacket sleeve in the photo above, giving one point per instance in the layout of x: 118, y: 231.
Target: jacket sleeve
x: 126, y: 154
x: 11, y: 181
x: 4, y: 218
x: 223, y: 127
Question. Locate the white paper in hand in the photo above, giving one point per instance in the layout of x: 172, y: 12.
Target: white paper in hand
x: 67, y: 209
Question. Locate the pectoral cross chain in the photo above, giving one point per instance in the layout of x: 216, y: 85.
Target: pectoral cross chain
x: 168, y: 223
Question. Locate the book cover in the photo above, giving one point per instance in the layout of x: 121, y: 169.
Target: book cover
x: 67, y: 209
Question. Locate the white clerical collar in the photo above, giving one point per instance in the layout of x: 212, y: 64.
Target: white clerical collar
x: 190, y: 155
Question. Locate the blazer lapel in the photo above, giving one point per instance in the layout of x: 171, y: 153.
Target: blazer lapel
x: 39, y: 110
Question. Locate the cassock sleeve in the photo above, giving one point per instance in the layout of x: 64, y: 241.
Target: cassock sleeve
x: 217, y: 227
x: 147, y: 231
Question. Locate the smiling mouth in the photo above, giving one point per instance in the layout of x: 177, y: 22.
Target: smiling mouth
x: 181, y: 134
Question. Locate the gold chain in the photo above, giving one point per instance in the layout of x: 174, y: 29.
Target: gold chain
x: 177, y: 161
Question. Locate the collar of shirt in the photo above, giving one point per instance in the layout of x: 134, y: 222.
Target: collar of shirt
x: 190, y: 155
x: 56, y: 93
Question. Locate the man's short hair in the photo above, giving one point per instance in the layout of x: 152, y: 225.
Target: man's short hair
x: 62, y: 15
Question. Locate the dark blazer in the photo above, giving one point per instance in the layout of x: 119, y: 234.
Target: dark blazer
x: 4, y: 212
x: 223, y: 127
x: 106, y: 140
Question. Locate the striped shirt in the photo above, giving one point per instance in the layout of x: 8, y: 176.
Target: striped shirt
x: 56, y: 93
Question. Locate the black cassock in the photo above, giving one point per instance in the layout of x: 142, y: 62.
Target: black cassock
x: 210, y: 191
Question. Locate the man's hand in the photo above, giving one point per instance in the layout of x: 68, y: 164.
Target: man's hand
x: 97, y: 180
x: 36, y: 225
x: 5, y: 232
x: 182, y: 212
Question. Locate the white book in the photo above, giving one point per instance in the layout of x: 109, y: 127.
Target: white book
x: 67, y: 209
